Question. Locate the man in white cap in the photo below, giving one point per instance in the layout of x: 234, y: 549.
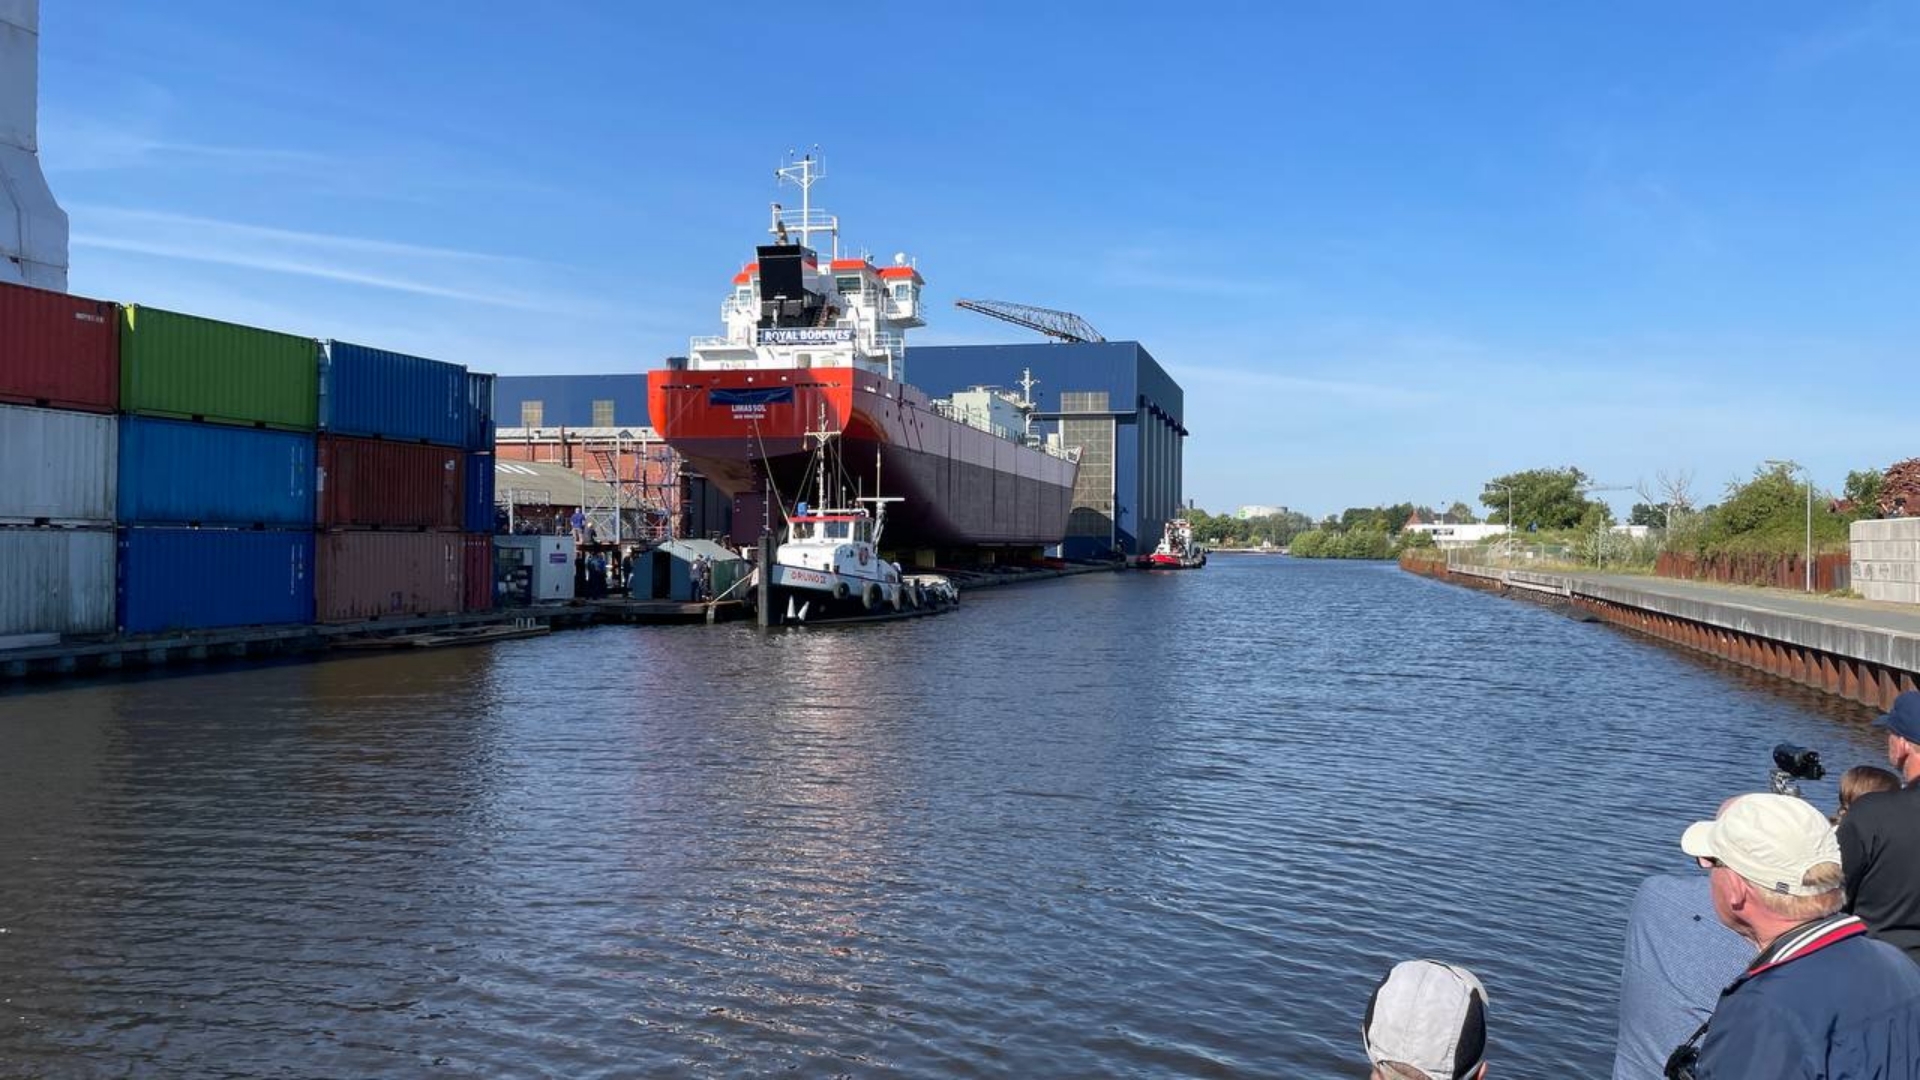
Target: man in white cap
x: 1821, y: 1000
x: 1427, y: 1021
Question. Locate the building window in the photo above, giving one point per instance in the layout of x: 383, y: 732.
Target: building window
x: 531, y: 413
x: 603, y: 414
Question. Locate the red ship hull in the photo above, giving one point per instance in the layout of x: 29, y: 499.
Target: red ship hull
x: 961, y: 487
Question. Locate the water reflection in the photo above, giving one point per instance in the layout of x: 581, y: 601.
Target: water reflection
x: 1150, y: 824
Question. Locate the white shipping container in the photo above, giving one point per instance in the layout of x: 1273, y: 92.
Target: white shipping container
x: 57, y: 467
x: 56, y: 581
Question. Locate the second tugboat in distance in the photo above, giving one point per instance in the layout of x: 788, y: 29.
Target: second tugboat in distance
x: 804, y: 342
x: 1177, y: 549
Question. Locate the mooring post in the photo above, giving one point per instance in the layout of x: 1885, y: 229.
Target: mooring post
x: 763, y: 593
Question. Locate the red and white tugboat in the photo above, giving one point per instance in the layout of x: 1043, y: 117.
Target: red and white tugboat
x: 830, y: 564
x: 1177, y: 550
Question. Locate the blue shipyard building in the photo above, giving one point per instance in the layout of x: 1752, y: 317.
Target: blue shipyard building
x: 1114, y: 401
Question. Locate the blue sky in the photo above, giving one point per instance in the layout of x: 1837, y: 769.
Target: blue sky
x: 1390, y: 249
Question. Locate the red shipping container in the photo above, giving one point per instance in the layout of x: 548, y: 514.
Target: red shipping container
x: 477, y: 571
x: 59, y: 351
x: 367, y: 483
x: 383, y: 575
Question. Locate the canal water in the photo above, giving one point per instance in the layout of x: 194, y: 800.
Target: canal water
x: 1123, y: 825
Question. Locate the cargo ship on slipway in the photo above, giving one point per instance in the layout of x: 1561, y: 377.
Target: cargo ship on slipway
x: 817, y: 348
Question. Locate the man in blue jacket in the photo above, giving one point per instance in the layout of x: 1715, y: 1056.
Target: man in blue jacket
x: 1822, y: 1001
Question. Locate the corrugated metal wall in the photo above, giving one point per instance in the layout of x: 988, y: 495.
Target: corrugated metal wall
x: 186, y: 367
x: 481, y: 481
x: 199, y: 579
x: 56, y: 581
x: 59, y: 351
x: 479, y: 412
x: 373, y: 575
x: 366, y: 483
x: 56, y: 467
x: 178, y: 473
x: 379, y: 394
x: 476, y: 554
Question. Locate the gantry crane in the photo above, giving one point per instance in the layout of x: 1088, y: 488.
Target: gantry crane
x: 1060, y: 325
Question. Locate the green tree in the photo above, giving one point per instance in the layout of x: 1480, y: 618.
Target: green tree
x: 1650, y: 514
x: 1462, y: 514
x: 1863, y: 488
x: 1548, y: 498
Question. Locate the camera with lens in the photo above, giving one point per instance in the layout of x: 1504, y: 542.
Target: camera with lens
x: 1792, y: 764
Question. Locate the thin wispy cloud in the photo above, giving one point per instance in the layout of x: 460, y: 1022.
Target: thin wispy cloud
x: 469, y: 277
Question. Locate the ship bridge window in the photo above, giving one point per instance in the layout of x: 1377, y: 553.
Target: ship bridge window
x: 903, y: 291
x: 849, y: 285
x: 834, y: 530
x: 744, y: 294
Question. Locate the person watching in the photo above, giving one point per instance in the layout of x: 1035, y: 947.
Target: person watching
x: 1679, y: 956
x: 1427, y: 1021
x: 1880, y: 843
x: 1822, y: 1000
x: 1862, y: 780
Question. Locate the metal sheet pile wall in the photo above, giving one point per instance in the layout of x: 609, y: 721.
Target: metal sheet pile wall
x: 367, y: 483
x: 57, y: 467
x: 59, y: 351
x: 373, y: 393
x: 56, y: 581
x: 380, y: 575
x: 178, y: 473
x: 189, y: 368
x: 199, y: 579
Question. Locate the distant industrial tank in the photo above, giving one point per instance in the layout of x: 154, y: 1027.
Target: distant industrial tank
x: 33, y: 228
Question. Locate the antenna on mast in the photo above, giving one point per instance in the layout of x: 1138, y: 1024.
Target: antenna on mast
x: 1026, y: 403
x: 803, y: 171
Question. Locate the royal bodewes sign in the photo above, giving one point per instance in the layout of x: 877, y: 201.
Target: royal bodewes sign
x: 804, y: 335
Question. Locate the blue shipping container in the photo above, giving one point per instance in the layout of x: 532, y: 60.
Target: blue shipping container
x: 198, y: 579
x: 479, y: 494
x: 174, y: 472
x: 479, y: 412
x: 377, y: 394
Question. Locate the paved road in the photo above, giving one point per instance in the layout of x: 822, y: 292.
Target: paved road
x: 1895, y: 618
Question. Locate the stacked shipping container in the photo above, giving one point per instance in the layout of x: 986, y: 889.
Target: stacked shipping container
x: 216, y: 456
x: 394, y: 483
x: 60, y: 382
x: 218, y: 481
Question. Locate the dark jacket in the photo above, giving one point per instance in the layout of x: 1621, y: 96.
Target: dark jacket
x: 1880, y: 851
x: 1848, y: 1011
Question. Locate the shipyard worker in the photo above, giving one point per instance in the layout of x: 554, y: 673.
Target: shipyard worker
x: 1426, y: 1021
x: 1821, y: 1000
x: 1678, y: 958
x: 1880, y: 839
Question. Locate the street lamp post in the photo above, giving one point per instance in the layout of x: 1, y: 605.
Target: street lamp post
x: 1790, y: 464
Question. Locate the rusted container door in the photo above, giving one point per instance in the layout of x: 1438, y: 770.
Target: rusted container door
x: 477, y: 557
x: 366, y: 483
x: 380, y: 575
x: 59, y: 351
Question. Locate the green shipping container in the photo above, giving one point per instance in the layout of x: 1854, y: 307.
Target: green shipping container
x: 189, y: 368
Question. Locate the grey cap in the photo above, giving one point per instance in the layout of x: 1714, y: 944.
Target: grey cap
x: 1429, y: 1015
